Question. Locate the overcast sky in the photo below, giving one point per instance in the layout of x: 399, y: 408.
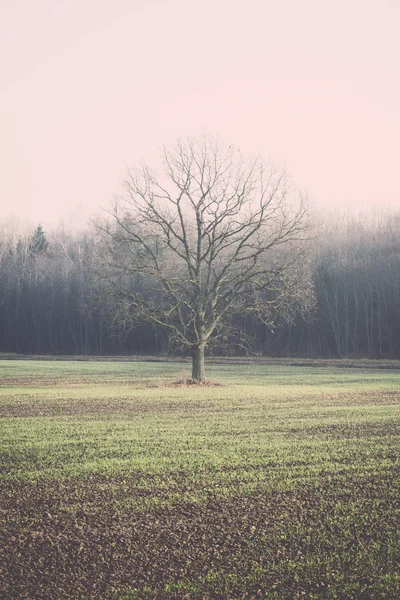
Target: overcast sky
x: 91, y: 85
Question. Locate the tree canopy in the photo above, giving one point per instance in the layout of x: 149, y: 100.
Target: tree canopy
x: 215, y: 235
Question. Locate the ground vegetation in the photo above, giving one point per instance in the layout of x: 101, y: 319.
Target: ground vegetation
x: 120, y: 482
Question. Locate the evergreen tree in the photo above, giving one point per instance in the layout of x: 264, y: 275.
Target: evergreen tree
x: 38, y: 242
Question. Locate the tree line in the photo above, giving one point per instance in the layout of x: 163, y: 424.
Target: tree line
x: 52, y: 300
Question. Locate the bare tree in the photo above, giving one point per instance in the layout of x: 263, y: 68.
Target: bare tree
x: 214, y: 236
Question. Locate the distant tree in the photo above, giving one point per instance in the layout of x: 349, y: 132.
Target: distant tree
x: 357, y: 282
x: 38, y: 242
x: 213, y: 237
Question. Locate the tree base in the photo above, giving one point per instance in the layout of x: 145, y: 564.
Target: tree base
x: 198, y: 366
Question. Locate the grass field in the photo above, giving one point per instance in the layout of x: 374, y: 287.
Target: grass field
x: 276, y: 482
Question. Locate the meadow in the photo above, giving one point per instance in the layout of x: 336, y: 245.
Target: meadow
x: 275, y: 481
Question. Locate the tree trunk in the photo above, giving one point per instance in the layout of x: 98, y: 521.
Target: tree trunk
x: 198, y: 367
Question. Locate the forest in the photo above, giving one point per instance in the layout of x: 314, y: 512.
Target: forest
x: 52, y: 300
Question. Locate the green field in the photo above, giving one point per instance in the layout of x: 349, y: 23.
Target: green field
x: 273, y: 481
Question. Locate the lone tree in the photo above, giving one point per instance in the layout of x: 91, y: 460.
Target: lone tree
x: 214, y: 236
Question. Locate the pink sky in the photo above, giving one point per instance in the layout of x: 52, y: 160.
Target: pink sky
x: 91, y: 85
